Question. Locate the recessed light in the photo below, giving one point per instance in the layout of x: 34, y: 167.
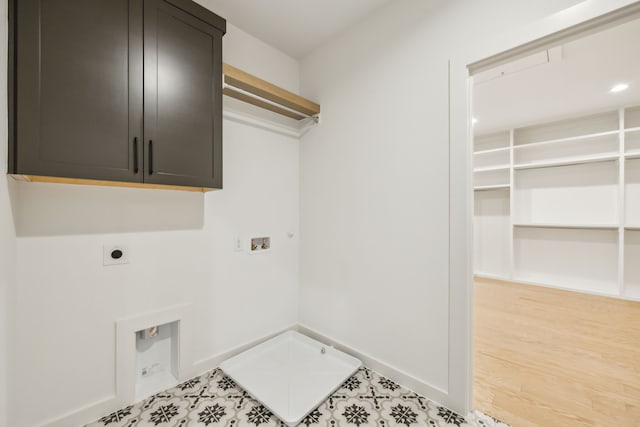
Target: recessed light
x: 474, y: 121
x: 619, y: 88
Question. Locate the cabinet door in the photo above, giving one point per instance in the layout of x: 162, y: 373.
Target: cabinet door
x: 182, y: 98
x: 79, y: 89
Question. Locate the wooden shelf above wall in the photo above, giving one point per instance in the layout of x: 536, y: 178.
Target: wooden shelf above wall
x: 256, y: 86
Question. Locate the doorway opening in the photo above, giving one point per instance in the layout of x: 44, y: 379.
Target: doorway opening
x: 556, y: 168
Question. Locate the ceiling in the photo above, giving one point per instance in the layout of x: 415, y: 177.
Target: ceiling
x: 576, y: 81
x: 296, y: 27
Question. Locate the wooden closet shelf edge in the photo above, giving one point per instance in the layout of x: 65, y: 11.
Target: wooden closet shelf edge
x: 257, y: 86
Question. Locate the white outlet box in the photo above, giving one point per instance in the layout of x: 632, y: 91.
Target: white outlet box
x: 115, y: 255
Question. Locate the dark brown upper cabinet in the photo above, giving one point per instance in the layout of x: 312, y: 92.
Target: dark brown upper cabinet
x: 125, y: 91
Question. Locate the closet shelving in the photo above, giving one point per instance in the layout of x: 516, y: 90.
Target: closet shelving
x: 248, y: 88
x: 492, y: 150
x: 632, y: 143
x: 492, y: 162
x: 492, y: 187
x: 492, y: 168
x: 558, y: 204
x: 566, y: 225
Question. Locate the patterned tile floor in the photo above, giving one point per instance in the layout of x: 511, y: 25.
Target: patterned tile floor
x: 366, y: 399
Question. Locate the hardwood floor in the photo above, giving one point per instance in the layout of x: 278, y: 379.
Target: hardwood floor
x: 547, y: 357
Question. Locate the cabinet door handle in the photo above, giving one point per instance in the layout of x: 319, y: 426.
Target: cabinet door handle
x: 150, y: 157
x: 135, y: 155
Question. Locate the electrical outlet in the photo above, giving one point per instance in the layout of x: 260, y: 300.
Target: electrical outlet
x: 115, y: 254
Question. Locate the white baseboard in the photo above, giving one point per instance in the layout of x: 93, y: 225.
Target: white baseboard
x: 406, y: 380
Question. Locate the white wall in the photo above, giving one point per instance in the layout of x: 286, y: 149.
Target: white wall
x: 7, y: 278
x: 374, y: 231
x: 7, y: 240
x: 261, y: 60
x: 385, y: 196
x: 181, y: 249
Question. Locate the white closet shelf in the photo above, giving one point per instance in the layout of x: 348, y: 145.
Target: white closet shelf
x: 576, y: 160
x: 492, y: 187
x: 492, y: 150
x: 632, y: 227
x: 492, y: 168
x: 636, y: 129
x: 633, y: 154
x: 568, y: 139
x: 571, y: 226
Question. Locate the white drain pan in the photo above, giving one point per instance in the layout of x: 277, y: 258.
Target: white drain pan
x: 291, y: 374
